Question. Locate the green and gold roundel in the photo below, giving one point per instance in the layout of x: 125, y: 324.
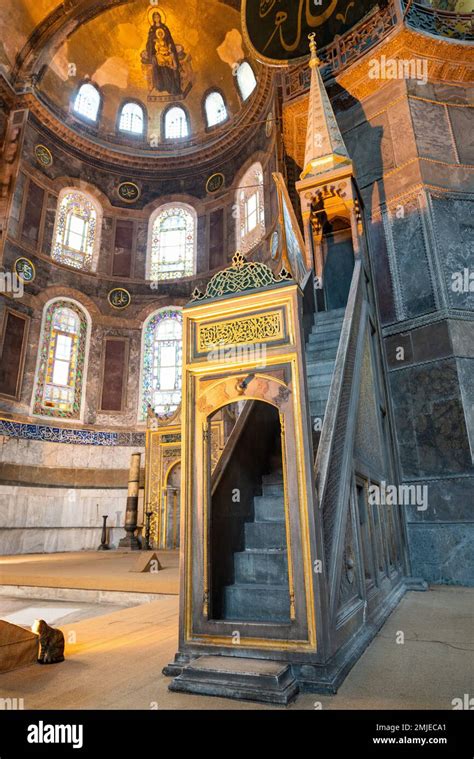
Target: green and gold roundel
x: 119, y: 298
x: 24, y: 269
x: 277, y: 30
x: 215, y: 183
x: 129, y: 192
x: 43, y: 155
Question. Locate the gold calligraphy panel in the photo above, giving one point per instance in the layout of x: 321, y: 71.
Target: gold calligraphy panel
x: 260, y: 328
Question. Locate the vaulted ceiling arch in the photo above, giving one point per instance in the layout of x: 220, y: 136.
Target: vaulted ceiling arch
x: 51, y: 33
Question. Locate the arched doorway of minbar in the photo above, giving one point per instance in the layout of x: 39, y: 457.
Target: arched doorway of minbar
x: 172, y: 506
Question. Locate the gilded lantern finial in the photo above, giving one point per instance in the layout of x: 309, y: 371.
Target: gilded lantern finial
x: 314, y: 60
x: 238, y: 260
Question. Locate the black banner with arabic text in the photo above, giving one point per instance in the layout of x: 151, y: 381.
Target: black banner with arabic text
x: 277, y: 30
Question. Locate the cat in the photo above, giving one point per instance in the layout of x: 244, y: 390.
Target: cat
x: 51, y: 642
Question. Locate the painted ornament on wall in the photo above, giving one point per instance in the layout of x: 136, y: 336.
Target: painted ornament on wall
x: 43, y: 155
x: 129, y: 192
x: 24, y: 269
x: 119, y: 298
x: 166, y: 64
x: 215, y: 183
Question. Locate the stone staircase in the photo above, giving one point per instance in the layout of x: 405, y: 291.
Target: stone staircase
x: 321, y: 350
x: 260, y: 592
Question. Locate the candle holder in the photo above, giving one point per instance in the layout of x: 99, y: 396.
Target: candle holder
x: 104, y: 546
x: 130, y: 540
x: 148, y: 515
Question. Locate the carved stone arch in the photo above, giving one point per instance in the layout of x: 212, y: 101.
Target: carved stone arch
x: 158, y: 304
x: 262, y: 387
x: 259, y: 156
x: 67, y: 293
x: 63, y: 182
x: 176, y: 198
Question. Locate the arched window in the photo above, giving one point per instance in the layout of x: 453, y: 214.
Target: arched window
x: 250, y: 209
x: 87, y: 102
x: 172, y: 243
x: 131, y: 118
x: 162, y: 362
x: 246, y: 80
x: 176, y: 123
x: 76, y: 234
x: 61, y: 360
x: 216, y: 112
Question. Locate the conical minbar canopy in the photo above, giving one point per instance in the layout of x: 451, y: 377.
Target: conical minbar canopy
x: 325, y: 147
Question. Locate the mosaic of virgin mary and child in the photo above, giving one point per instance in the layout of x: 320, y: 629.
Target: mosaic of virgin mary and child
x: 165, y: 61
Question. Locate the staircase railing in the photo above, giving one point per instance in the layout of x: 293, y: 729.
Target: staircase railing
x: 231, y: 444
x: 378, y: 24
x: 334, y: 457
x: 455, y: 26
x: 345, y: 49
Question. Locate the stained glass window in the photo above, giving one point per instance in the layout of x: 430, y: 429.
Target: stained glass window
x: 131, y: 118
x: 172, y: 244
x: 58, y: 388
x: 246, y: 80
x: 76, y: 228
x: 87, y: 102
x: 162, y: 362
x: 216, y: 112
x: 176, y: 123
x: 250, y: 209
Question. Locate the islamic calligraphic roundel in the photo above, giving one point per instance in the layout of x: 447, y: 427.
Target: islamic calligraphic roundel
x: 24, y: 269
x: 119, y: 298
x: 43, y: 155
x: 129, y: 192
x: 277, y: 30
x: 215, y: 183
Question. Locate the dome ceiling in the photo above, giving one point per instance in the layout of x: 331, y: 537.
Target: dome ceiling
x: 120, y: 49
x: 20, y: 18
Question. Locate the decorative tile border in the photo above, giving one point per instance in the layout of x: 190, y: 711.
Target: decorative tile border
x: 76, y: 437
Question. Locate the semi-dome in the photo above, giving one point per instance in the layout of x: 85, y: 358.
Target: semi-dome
x: 140, y: 73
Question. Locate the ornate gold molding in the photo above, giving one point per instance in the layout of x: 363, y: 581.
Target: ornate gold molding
x: 119, y: 159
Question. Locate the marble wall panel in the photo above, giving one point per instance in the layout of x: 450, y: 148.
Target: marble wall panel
x: 453, y: 226
x: 37, y: 520
x: 401, y: 129
x: 370, y: 147
x: 412, y: 262
x: 44, y: 454
x: 466, y: 382
x: 426, y: 343
x: 449, y: 500
x: 432, y: 131
x: 462, y: 337
x: 442, y: 553
x: 383, y: 277
x: 429, y: 419
x: 462, y: 122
